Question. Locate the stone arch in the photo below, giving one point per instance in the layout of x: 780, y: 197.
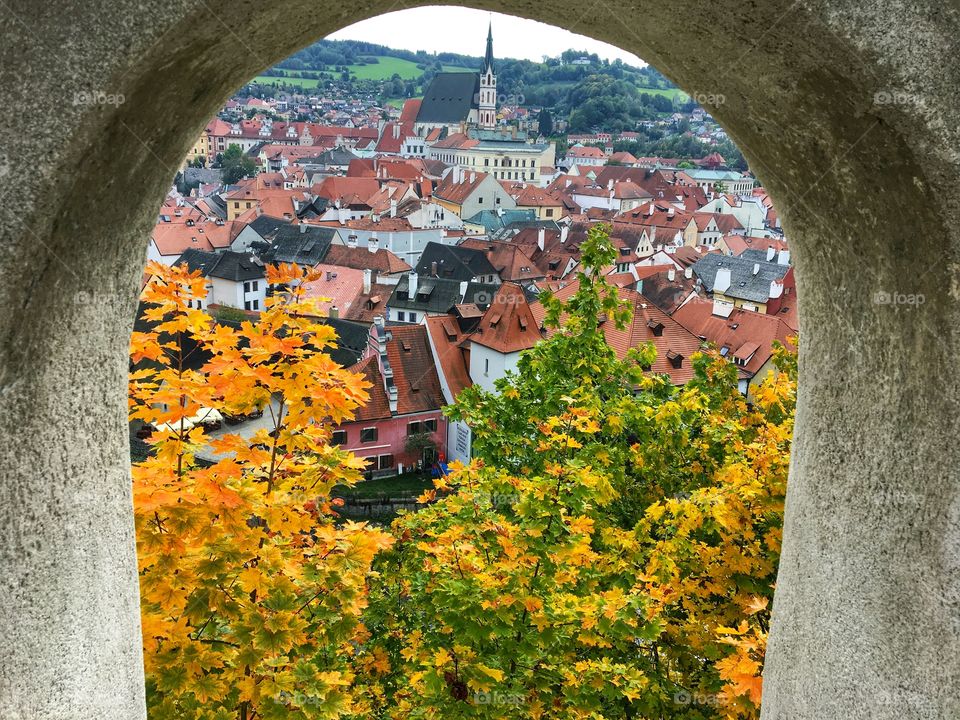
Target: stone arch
x: 847, y: 111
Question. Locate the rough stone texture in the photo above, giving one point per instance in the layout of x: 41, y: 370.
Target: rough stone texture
x: 847, y: 110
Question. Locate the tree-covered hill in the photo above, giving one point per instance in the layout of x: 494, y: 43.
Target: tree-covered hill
x: 592, y: 93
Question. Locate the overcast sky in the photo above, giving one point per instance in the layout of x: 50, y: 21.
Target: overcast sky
x: 464, y: 30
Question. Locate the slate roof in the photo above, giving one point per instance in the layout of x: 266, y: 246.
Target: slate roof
x: 449, y: 97
x: 453, y: 262
x: 265, y: 225
x: 301, y: 244
x: 437, y: 296
x: 744, y: 283
x: 351, y: 340
x: 228, y: 265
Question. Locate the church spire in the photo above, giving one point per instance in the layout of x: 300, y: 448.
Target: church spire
x: 488, y: 61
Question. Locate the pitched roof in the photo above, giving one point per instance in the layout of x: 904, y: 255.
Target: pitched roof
x: 745, y: 334
x: 437, y: 296
x: 508, y: 325
x: 454, y: 262
x: 749, y: 280
x: 449, y: 97
x: 447, y: 336
x: 383, y: 261
x: 674, y: 342
x: 301, y: 244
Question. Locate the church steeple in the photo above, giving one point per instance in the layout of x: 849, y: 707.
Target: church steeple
x: 487, y: 109
x: 488, y: 60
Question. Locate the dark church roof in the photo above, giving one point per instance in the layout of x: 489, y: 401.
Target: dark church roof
x: 449, y: 98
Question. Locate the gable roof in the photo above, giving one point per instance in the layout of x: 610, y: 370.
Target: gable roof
x: 508, y: 325
x: 449, y: 97
x: 745, y: 335
x: 454, y: 262
x: 674, y: 342
x: 749, y: 280
x: 301, y: 244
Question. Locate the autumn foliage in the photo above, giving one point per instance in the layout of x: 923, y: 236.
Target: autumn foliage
x: 610, y: 551
x: 251, y: 595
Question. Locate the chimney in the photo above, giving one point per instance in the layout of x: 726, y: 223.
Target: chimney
x: 776, y: 289
x: 473, y: 177
x: 303, y: 229
x: 771, y: 253
x: 566, y: 183
x: 367, y: 277
x: 784, y: 257
x: 392, y: 396
x: 378, y: 321
x: 610, y: 184
x: 334, y: 312
x: 722, y: 281
x: 756, y: 268
x: 463, y: 289
x: 396, y: 131
x: 670, y: 212
x: 373, y: 244
x: 688, y: 272
x: 351, y: 240
x: 541, y: 238
x: 433, y: 268
x: 412, y: 285
x: 563, y: 234
x: 393, y: 208
x: 671, y: 274
x: 721, y: 308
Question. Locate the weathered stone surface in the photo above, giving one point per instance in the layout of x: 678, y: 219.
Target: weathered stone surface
x: 846, y: 109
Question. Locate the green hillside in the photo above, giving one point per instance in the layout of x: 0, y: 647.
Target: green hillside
x: 385, y: 68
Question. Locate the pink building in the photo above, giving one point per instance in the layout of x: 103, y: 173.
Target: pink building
x: 405, y: 401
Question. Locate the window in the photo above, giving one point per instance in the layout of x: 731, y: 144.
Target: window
x: 256, y: 285
x: 413, y: 316
x: 339, y: 437
x: 401, y: 316
x: 486, y: 366
x: 549, y: 212
x: 256, y: 304
x: 246, y: 305
x: 385, y: 462
x: 368, y: 435
x: 430, y: 425
x: 413, y: 428
x: 246, y: 287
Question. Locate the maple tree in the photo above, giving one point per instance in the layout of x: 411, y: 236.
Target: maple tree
x: 609, y: 552
x: 251, y: 595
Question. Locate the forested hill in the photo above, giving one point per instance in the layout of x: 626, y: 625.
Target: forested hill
x: 591, y: 92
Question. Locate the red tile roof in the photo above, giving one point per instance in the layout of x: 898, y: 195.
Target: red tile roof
x: 508, y: 325
x: 742, y: 333
x: 446, y: 336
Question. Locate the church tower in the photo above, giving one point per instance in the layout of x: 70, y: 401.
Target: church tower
x: 488, y: 88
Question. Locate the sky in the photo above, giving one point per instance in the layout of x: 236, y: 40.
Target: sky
x: 464, y: 30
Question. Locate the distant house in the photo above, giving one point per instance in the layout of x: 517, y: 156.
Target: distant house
x: 507, y: 328
x: 743, y: 337
x: 740, y: 281
x: 405, y: 402
x: 413, y: 298
x: 233, y: 279
x: 467, y: 193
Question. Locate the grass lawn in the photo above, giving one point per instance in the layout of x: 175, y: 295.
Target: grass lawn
x: 457, y: 68
x: 292, y: 81
x: 408, y: 485
x: 385, y: 68
x: 672, y: 93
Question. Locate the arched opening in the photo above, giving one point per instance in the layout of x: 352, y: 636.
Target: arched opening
x: 868, y: 582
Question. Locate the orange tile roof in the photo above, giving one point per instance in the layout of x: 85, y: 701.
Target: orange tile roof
x: 508, y: 325
x: 675, y: 343
x: 446, y: 336
x: 744, y: 331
